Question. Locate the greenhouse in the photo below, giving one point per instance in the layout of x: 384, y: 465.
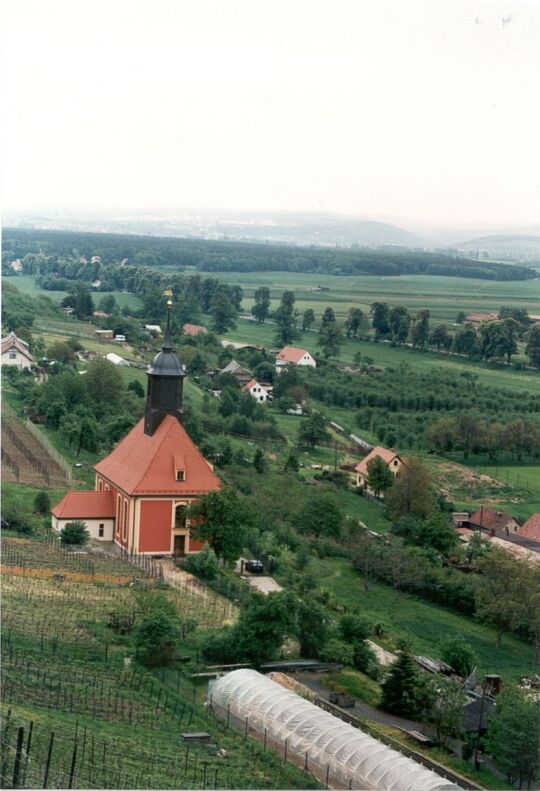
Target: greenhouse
x: 335, y: 752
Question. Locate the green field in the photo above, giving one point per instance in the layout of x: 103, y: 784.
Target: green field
x: 27, y: 285
x: 383, y: 354
x: 444, y: 296
x: 406, y: 616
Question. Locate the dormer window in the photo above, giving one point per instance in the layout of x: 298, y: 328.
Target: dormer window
x: 180, y: 475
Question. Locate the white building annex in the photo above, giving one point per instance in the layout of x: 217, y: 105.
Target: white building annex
x: 352, y: 758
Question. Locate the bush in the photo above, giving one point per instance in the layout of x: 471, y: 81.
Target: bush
x: 203, y: 564
x: 42, y: 503
x: 154, y: 638
x: 366, y: 660
x: 17, y: 513
x: 336, y: 650
x: 75, y: 534
x: 459, y: 655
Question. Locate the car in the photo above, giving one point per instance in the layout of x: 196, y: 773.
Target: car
x: 120, y: 338
x: 254, y: 566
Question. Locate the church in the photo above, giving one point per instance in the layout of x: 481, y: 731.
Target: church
x: 144, y: 486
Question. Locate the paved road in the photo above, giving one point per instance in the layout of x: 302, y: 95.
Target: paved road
x: 361, y: 709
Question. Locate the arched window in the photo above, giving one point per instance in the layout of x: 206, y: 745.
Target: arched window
x: 99, y: 485
x: 180, y: 517
x: 118, y: 514
x: 124, y: 531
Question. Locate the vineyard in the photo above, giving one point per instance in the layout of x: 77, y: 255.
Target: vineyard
x: 79, y: 710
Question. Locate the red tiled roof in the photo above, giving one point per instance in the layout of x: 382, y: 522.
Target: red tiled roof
x: 481, y: 317
x: 491, y: 519
x: 85, y: 505
x: 386, y: 455
x: 531, y: 528
x: 291, y: 354
x: 250, y: 384
x: 141, y: 464
x: 194, y: 329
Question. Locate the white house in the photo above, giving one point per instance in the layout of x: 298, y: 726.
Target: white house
x: 16, y: 352
x: 115, y: 359
x: 17, y: 265
x: 257, y: 391
x: 98, y: 508
x: 291, y: 355
x: 153, y: 328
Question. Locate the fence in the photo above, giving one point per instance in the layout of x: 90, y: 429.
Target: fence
x: 55, y: 455
x: 25, y: 451
x: 9, y: 462
x: 144, y: 562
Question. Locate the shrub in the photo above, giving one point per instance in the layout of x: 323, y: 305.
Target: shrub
x: 459, y: 654
x: 203, y: 564
x: 42, y: 503
x: 154, y: 638
x: 336, y: 650
x: 75, y: 533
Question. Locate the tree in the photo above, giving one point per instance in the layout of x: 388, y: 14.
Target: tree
x: 513, y: 736
x: 336, y: 650
x: 261, y: 308
x: 156, y: 633
x: 259, y: 461
x: 498, y: 597
x: 62, y: 353
x: 320, y: 515
x: 430, y: 531
x: 532, y: 348
x: 105, y: 385
x: 42, y: 503
x: 399, y: 322
x: 445, y: 708
x: 420, y: 330
x: 203, y: 564
x: 466, y: 341
x: 81, y: 301
x: 75, y: 533
x: 107, y: 303
x: 380, y: 477
x: 412, y: 491
x: 460, y: 318
x: 456, y: 652
x: 220, y: 519
x: 314, y: 627
x: 285, y: 318
x: 330, y: 340
x: 403, y: 690
x: 136, y: 387
x: 223, y: 312
x: 291, y: 463
x: 328, y: 317
x: 353, y: 324
x: 308, y: 319
x: 441, y: 435
x: 258, y: 635
x: 440, y: 337
x: 379, y: 319
x: 312, y: 430
x: 499, y: 339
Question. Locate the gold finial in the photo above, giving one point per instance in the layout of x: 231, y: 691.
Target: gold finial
x: 168, y: 293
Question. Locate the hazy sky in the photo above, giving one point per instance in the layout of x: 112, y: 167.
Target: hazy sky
x: 427, y: 110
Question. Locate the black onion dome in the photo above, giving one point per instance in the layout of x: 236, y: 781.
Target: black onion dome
x: 166, y: 363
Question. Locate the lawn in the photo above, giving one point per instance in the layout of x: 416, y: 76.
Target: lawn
x: 425, y: 624
x: 27, y: 285
x: 445, y: 297
x: 383, y: 354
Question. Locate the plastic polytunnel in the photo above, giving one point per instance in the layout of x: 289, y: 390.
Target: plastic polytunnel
x: 333, y: 750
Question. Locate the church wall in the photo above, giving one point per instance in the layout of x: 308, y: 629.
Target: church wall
x: 155, y: 526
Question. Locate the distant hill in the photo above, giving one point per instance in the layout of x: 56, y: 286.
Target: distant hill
x: 519, y: 248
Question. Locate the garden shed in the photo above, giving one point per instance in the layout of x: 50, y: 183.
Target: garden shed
x: 335, y: 752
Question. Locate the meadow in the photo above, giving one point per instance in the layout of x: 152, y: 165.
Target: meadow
x: 445, y: 297
x: 27, y: 285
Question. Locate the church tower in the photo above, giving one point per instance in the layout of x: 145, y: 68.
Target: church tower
x: 165, y: 382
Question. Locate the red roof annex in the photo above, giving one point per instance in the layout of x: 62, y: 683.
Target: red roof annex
x: 194, y: 329
x: 142, y: 464
x: 93, y: 505
x: 531, y: 528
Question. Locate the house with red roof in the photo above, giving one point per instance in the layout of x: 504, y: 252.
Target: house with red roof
x: 392, y: 460
x: 194, y: 330
x: 530, y: 528
x: 292, y: 355
x: 492, y: 520
x: 479, y: 318
x: 258, y: 391
x: 145, y: 485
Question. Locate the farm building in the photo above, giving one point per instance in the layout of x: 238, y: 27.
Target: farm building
x: 492, y: 521
x: 98, y: 508
x: 115, y: 359
x: 258, y: 391
x: 16, y: 352
x: 153, y: 328
x: 479, y: 318
x: 338, y: 754
x: 390, y: 458
x: 531, y: 528
x: 242, y: 375
x: 194, y: 329
x: 153, y: 474
x: 291, y: 355
x: 104, y: 334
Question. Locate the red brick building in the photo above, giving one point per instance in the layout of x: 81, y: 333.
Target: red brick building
x: 153, y: 474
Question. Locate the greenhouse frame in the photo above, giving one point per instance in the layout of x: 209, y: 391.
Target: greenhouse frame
x: 338, y: 754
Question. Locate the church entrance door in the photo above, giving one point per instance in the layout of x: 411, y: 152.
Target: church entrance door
x: 179, y: 546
